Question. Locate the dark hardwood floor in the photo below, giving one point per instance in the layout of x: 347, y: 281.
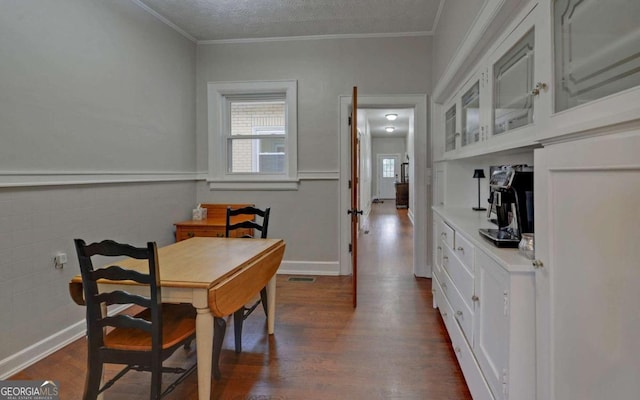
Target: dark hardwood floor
x: 393, y: 346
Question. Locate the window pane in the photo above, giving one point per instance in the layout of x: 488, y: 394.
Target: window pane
x: 257, y: 155
x: 388, y: 168
x: 254, y: 117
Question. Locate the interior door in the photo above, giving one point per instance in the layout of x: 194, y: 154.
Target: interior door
x: 388, y: 170
x: 355, y: 202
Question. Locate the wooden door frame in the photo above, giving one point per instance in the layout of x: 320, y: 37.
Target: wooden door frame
x: 421, y: 177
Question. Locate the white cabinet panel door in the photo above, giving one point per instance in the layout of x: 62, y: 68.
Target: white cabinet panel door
x: 588, y: 241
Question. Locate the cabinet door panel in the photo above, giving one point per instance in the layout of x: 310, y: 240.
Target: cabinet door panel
x: 597, y: 49
x: 587, y: 195
x: 513, y: 83
x: 491, y: 341
x: 471, y: 115
x: 450, y: 129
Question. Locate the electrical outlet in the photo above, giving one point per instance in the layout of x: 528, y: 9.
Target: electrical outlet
x: 60, y: 259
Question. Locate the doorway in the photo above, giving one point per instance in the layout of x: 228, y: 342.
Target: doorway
x: 417, y: 155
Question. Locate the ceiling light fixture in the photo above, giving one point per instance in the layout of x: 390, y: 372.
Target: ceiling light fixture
x: 390, y: 129
x: 391, y: 117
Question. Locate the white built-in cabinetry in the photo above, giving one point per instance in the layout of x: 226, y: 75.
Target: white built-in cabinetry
x: 561, y: 81
x: 486, y: 299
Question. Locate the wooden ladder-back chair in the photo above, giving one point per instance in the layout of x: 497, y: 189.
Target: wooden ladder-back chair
x: 242, y: 314
x: 142, y: 341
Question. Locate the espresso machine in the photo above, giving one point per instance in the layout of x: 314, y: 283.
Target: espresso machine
x: 511, y: 204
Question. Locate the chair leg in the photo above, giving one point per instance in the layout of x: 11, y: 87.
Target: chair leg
x: 263, y: 299
x: 93, y: 378
x: 156, y: 380
x: 238, y: 319
x: 219, y: 329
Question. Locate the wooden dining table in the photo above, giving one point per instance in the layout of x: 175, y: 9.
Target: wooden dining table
x: 217, y: 276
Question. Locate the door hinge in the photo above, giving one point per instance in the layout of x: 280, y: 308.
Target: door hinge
x: 349, y: 121
x: 349, y: 183
x: 350, y: 247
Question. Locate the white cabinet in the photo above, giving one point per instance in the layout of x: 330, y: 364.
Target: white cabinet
x: 487, y: 307
x: 499, y: 104
x: 505, y: 330
x: 588, y: 250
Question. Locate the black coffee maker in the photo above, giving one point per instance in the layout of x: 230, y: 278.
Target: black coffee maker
x: 511, y: 204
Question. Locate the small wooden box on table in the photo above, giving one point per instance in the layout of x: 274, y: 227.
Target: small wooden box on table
x: 214, y: 225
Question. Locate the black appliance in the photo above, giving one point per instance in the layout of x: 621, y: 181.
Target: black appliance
x: 511, y: 204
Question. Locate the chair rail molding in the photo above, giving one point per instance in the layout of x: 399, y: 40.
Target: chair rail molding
x: 58, y: 178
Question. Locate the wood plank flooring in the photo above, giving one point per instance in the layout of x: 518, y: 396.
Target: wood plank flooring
x: 393, y: 346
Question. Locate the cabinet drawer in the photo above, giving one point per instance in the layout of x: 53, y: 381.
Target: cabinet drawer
x: 446, y: 234
x: 461, y: 277
x: 200, y: 231
x: 461, y: 313
x: 183, y: 233
x: 465, y: 251
x: 443, y: 304
x: 470, y: 368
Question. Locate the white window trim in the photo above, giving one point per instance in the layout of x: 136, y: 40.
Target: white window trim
x: 219, y: 178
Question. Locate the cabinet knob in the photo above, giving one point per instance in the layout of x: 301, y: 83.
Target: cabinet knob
x: 443, y: 234
x: 444, y: 314
x: 458, y: 313
x: 439, y: 247
x: 445, y: 258
x: 537, y: 264
x: 461, y: 249
x: 539, y: 86
x: 457, y: 349
x: 475, y: 298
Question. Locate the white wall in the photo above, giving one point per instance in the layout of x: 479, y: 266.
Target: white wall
x: 456, y: 18
x: 86, y: 86
x: 325, y: 69
x: 366, y: 163
x: 397, y: 145
x: 93, y: 86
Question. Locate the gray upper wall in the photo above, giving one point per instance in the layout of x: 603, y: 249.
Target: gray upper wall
x: 90, y: 85
x: 324, y: 69
x: 456, y: 19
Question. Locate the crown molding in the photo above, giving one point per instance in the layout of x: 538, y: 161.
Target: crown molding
x: 317, y: 37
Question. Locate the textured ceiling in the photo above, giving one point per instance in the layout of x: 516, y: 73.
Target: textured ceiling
x: 253, y: 19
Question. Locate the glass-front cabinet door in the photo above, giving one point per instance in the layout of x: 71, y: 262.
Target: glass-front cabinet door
x: 470, y: 115
x: 596, y: 48
x: 513, y: 86
x: 450, y: 131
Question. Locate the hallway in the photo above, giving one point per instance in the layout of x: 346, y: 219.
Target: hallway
x: 393, y: 346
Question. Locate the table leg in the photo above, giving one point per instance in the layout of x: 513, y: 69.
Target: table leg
x: 204, y: 351
x: 271, y: 313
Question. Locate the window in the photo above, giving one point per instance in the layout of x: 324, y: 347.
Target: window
x: 252, y: 135
x: 388, y: 167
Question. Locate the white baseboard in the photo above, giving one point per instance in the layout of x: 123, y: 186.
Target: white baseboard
x: 36, y: 352
x: 331, y: 268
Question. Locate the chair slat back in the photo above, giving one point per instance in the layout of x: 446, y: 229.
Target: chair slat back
x: 262, y: 228
x: 94, y: 299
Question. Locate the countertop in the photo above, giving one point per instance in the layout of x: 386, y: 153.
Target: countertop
x: 467, y: 222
